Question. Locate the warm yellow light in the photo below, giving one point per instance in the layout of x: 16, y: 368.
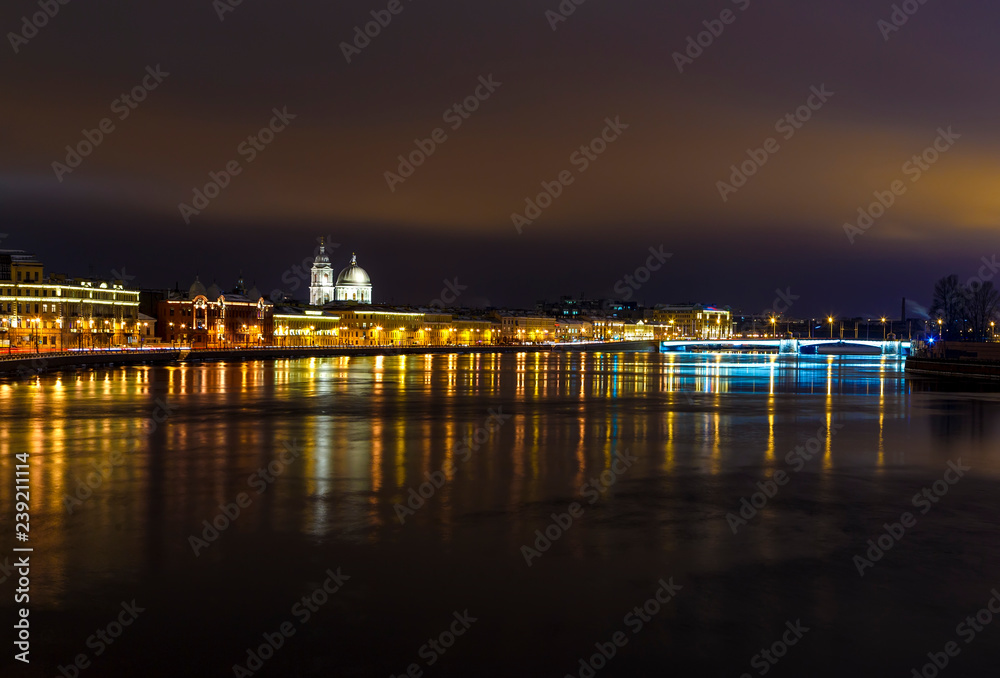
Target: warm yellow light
x: 830, y: 320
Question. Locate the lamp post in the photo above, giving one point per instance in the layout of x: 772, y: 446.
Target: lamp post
x: 830, y: 320
x: 992, y: 325
x: 940, y: 329
x: 774, y: 327
x: 884, y: 336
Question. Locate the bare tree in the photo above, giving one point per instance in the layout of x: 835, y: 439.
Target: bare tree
x: 949, y: 303
x: 981, y: 308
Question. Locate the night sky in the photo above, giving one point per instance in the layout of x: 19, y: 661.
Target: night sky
x: 655, y: 185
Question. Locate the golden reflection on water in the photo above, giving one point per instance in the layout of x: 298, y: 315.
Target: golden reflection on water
x: 371, y: 429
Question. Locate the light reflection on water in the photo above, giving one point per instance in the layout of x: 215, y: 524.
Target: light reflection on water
x: 372, y: 428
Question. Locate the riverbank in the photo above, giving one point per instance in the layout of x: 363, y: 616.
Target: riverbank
x: 28, y: 364
x: 954, y: 368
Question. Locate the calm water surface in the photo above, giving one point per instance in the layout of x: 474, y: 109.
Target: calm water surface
x: 325, y: 455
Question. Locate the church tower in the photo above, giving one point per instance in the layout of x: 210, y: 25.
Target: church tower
x: 321, y: 287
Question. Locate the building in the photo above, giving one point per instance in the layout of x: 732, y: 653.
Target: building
x: 295, y: 326
x: 353, y: 284
x: 693, y: 321
x: 532, y: 329
x: 213, y: 319
x: 321, y: 285
x: 56, y: 313
x: 569, y: 308
x: 574, y: 330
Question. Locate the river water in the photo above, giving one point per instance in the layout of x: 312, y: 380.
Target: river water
x: 514, y: 509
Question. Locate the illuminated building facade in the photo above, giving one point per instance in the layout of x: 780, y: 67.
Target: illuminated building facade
x: 211, y: 319
x: 321, y: 285
x: 354, y: 284
x: 305, y: 327
x: 574, y: 330
x: 55, y: 312
x: 518, y: 329
x: 693, y: 321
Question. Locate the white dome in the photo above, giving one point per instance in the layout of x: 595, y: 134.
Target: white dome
x: 353, y: 275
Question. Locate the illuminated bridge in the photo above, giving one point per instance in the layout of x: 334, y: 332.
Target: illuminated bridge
x: 789, y: 346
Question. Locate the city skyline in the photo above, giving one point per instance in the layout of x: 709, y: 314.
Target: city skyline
x: 646, y: 285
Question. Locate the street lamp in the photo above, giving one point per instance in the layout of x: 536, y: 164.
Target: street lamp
x: 883, y: 330
x: 830, y: 320
x: 940, y: 328
x: 774, y: 327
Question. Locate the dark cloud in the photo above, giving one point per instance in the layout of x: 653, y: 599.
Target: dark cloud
x: 656, y: 184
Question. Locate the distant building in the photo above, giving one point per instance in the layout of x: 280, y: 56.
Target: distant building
x: 214, y: 319
x: 56, y: 312
x: 321, y: 286
x: 692, y: 321
x: 353, y: 284
x: 533, y: 329
x: 568, y: 307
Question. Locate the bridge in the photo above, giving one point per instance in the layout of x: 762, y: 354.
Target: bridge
x: 788, y: 346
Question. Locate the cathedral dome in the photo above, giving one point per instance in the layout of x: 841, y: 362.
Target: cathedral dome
x: 353, y: 275
x: 214, y: 292
x: 196, y: 289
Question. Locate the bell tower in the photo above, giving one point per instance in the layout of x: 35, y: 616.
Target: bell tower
x: 321, y: 285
